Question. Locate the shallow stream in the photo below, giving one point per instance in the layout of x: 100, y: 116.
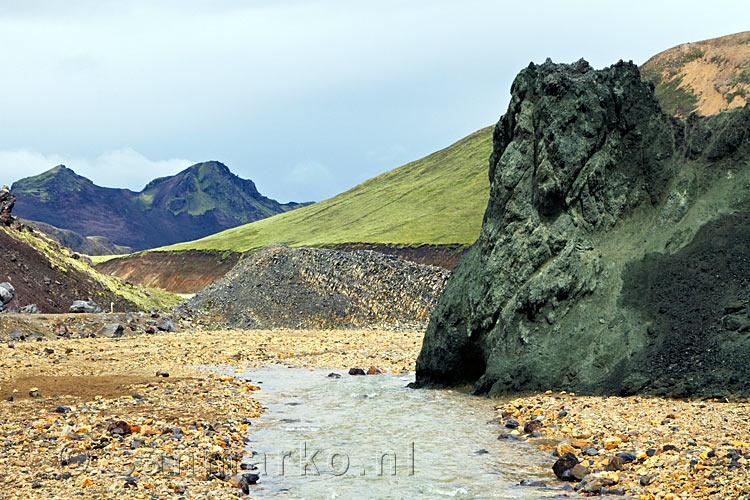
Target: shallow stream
x: 371, y: 437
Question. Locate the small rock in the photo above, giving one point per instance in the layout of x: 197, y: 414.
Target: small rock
x: 29, y: 309
x: 61, y: 409
x: 35, y: 393
x: 119, y: 427
x: 76, y: 460
x: 334, y: 375
x: 646, y: 480
x: 508, y: 437
x: 511, y: 423
x: 580, y: 471
x: 162, y: 374
x: 81, y: 306
x: 650, y: 452
x: 627, y: 457
x: 590, y: 451
x: 112, y: 330
x: 481, y: 452
x: 356, y: 371
x: 180, y: 488
x: 531, y: 426
x: 562, y: 414
x: 594, y: 483
x: 612, y: 491
x: 669, y: 447
x: 373, y: 371
x: 533, y: 483
x: 166, y: 325
x: 564, y: 463
x: 615, y: 464
x: 611, y: 443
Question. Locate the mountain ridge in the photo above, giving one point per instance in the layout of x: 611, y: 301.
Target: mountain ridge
x: 203, y: 199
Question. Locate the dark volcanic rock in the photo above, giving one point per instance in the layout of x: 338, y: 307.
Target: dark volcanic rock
x: 282, y: 287
x: 613, y: 239
x: 29, y: 309
x: 8, y: 297
x: 7, y: 200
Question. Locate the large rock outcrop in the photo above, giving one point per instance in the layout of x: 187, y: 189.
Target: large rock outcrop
x: 613, y: 255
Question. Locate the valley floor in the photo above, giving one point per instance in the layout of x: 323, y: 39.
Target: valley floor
x: 139, y: 435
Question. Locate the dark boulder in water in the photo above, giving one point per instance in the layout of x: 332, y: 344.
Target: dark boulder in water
x: 611, y: 247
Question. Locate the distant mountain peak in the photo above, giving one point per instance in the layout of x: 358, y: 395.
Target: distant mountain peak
x: 200, y: 200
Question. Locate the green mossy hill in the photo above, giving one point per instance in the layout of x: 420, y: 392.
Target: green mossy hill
x: 437, y: 200
x: 209, y: 186
x: 200, y: 200
x: 611, y: 256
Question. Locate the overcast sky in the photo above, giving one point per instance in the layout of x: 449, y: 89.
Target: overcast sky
x: 307, y: 98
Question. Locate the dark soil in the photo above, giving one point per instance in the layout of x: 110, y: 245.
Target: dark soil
x: 51, y: 289
x: 698, y: 301
x: 179, y: 272
x: 445, y: 256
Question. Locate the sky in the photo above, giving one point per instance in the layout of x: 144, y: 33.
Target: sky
x: 306, y: 98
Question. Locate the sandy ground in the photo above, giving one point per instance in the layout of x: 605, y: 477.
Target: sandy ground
x: 190, y: 427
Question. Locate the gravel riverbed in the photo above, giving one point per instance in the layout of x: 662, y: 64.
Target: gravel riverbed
x: 90, y: 418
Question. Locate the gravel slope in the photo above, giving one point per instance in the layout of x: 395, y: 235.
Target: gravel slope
x: 283, y: 287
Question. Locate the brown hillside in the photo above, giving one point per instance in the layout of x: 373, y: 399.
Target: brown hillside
x: 703, y: 77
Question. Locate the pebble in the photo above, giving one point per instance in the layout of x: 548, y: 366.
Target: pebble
x: 652, y: 461
x: 190, y: 413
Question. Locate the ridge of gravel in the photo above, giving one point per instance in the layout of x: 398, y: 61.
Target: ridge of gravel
x: 311, y: 288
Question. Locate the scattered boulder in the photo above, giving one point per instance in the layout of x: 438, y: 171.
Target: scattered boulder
x: 511, y: 423
x: 373, y: 371
x: 356, y: 371
x: 165, y: 325
x: 82, y: 306
x: 35, y: 393
x: 579, y: 471
x: 7, y: 296
x: 531, y: 426
x: 563, y: 464
x: 76, y: 459
x: 593, y: 484
x: 244, y: 480
x: 112, y: 330
x: 29, y: 309
x: 334, y: 375
x: 120, y: 428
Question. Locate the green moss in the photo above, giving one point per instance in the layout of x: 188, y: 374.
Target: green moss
x: 676, y: 99
x: 439, y: 199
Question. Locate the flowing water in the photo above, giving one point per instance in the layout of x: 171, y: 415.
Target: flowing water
x: 371, y: 437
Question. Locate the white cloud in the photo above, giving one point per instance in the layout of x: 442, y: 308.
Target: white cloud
x: 119, y: 168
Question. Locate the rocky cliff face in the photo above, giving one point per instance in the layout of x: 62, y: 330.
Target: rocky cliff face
x: 610, y: 258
